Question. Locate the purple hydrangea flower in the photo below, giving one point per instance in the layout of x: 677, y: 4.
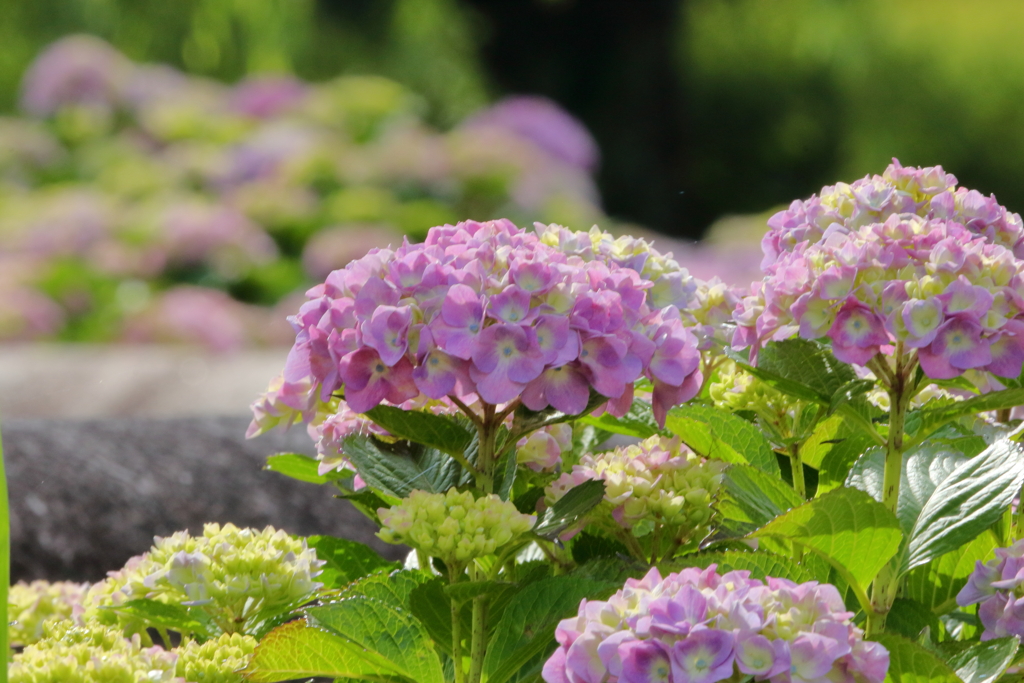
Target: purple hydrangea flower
x: 442, y: 318
x: 802, y: 633
x: 997, y: 586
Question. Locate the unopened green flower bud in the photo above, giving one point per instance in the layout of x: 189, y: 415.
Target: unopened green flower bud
x: 216, y: 660
x: 453, y: 526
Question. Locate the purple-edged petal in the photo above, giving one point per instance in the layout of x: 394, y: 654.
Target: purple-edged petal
x: 505, y: 359
x: 511, y: 306
x: 565, y: 388
x: 368, y: 380
x: 812, y: 655
x: 666, y: 396
x: 645, y: 661
x: 605, y: 359
x: 922, y: 319
x: 438, y: 374
x: 963, y: 297
x: 558, y: 343
x: 1007, y: 349
x: 958, y: 346
x: 387, y: 332
x: 760, y: 657
x: 705, y: 656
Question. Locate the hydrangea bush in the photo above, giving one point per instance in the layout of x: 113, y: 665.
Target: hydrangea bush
x: 609, y: 471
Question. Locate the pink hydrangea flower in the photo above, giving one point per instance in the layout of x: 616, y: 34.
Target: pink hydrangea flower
x: 947, y: 293
x: 491, y: 311
x: 697, y: 625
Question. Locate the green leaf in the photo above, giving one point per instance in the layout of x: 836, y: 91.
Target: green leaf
x: 569, y: 509
x: 937, y: 583
x: 301, y: 467
x: 394, y: 588
x: 924, y: 468
x: 755, y: 497
x: 856, y: 534
x: 297, y: 650
x: 390, y: 632
x: 835, y: 466
x: 909, y: 618
x: 525, y: 632
x: 932, y: 419
x: 368, y: 501
x: 971, y: 499
x: 346, y: 561
x: 804, y: 369
x: 396, y: 469
x: 984, y: 662
x: 434, y: 431
x: 505, y: 472
x: 760, y: 564
x: 718, y: 434
x: 432, y: 607
x: 912, y: 663
x: 159, y: 615
x: 638, y: 422
x: 587, y: 546
x: 850, y: 392
x: 827, y: 435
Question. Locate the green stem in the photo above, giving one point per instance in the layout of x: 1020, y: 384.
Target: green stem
x: 5, y: 565
x: 797, y: 463
x: 478, y: 638
x: 883, y: 591
x: 460, y: 677
x: 1018, y: 526
x: 488, y: 432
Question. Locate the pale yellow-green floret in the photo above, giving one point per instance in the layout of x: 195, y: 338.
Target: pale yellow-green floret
x: 32, y: 605
x: 455, y: 527
x: 91, y: 653
x: 236, y: 575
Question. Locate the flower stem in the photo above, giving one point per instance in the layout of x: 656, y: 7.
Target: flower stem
x: 5, y: 565
x: 460, y: 677
x: 478, y: 641
x: 883, y: 591
x: 797, y: 462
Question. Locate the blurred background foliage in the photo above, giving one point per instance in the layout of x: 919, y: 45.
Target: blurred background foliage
x: 708, y: 114
x: 426, y: 44
x: 701, y: 107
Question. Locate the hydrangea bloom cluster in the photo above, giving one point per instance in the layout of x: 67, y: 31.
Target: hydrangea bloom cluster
x: 216, y: 660
x: 703, y: 305
x: 701, y: 627
x: 32, y: 605
x: 932, y: 284
x: 928, y: 192
x: 658, y: 480
x: 483, y: 309
x: 236, y: 575
x: 453, y: 526
x: 91, y: 654
x: 999, y: 587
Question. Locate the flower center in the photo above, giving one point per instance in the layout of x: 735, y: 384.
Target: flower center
x: 473, y: 327
x: 380, y: 367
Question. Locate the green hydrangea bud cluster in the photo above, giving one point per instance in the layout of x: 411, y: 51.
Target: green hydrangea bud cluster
x: 234, y: 574
x: 32, y: 605
x: 453, y: 526
x: 91, y: 653
x: 734, y: 389
x: 658, y: 480
x: 215, y: 661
